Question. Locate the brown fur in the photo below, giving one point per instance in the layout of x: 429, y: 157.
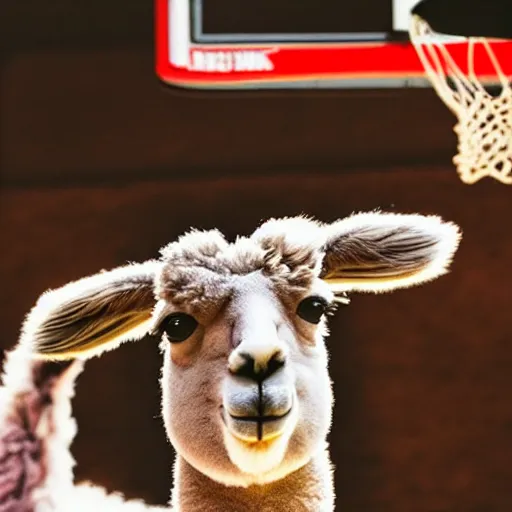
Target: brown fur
x: 23, y: 462
x: 197, y: 267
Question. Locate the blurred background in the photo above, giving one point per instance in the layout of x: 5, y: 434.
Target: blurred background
x: 101, y: 164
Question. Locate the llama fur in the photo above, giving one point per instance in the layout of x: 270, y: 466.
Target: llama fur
x: 246, y: 396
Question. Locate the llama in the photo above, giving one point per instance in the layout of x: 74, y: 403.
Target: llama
x: 246, y: 394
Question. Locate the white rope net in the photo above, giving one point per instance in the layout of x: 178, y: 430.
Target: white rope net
x: 484, y: 127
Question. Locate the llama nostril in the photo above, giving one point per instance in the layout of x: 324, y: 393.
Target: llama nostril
x: 250, y: 368
x: 275, y: 364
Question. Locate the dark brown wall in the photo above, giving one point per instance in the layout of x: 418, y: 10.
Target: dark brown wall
x: 100, y: 164
x: 110, y: 118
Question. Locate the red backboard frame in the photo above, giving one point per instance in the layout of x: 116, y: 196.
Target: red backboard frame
x: 324, y: 64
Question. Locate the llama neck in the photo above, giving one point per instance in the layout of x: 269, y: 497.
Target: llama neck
x: 309, y: 489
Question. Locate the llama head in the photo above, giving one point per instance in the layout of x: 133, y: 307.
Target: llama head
x: 246, y: 391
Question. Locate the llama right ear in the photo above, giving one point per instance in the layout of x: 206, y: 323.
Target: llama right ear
x: 380, y: 252
x: 87, y: 317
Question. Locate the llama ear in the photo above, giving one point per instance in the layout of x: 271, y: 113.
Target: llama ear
x: 379, y: 252
x: 86, y: 317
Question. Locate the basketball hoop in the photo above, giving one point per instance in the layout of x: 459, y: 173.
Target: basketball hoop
x: 484, y: 127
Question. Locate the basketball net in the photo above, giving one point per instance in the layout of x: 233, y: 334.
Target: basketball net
x: 484, y: 127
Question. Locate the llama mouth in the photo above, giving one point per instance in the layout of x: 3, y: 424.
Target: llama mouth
x: 262, y: 419
x: 256, y: 428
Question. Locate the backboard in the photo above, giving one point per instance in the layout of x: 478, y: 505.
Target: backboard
x: 297, y: 44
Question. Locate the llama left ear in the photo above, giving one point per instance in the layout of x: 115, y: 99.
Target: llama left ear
x: 380, y: 252
x: 97, y: 313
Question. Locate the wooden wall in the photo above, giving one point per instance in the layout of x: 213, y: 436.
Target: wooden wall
x: 99, y: 164
x: 111, y: 119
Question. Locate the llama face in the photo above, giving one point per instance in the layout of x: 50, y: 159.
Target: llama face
x: 246, y: 392
x: 251, y: 374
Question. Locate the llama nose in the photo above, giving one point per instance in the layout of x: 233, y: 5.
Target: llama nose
x: 245, y: 364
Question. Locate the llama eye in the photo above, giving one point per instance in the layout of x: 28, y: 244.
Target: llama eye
x: 178, y: 327
x: 312, y: 309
